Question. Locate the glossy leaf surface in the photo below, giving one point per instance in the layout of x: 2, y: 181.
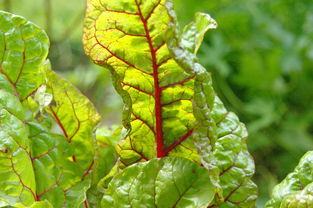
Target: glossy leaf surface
x: 17, y: 180
x: 23, y: 50
x: 40, y: 168
x: 170, y: 102
x: 296, y: 190
x: 143, y: 185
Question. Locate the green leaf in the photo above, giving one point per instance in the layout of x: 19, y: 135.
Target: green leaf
x: 169, y: 98
x: 296, y: 190
x: 218, y: 134
x: 128, y: 37
x: 17, y: 181
x: 36, y: 164
x: 76, y: 117
x: 194, y: 32
x: 42, y: 204
x: 57, y: 176
x: 143, y: 185
x: 23, y: 50
x: 105, y: 158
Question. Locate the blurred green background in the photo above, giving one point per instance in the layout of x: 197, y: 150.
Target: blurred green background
x: 261, y: 57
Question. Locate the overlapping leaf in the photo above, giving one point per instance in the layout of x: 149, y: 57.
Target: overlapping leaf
x: 170, y: 102
x: 218, y: 134
x: 143, y: 185
x: 76, y: 117
x: 17, y: 181
x: 296, y: 190
x: 23, y: 50
x: 36, y: 164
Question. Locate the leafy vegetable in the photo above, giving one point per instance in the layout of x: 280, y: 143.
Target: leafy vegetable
x: 170, y: 104
x: 180, y: 147
x: 296, y: 189
x: 166, y: 183
x: 38, y: 163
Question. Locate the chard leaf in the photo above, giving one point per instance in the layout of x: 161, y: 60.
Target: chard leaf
x: 76, y: 117
x: 40, y: 168
x: 296, y: 190
x: 23, y: 50
x: 128, y: 37
x: 142, y: 185
x: 42, y: 204
x: 171, y: 107
x: 17, y: 181
x: 218, y: 134
x: 194, y: 32
x: 57, y: 176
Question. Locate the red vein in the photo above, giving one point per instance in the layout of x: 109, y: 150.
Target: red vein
x: 164, y: 61
x: 137, y: 88
x: 11, y: 82
x: 152, y: 11
x: 88, y: 170
x: 157, y: 90
x: 178, y: 83
x: 24, y: 59
x: 46, y: 153
x: 20, y: 179
x: 119, y: 58
x: 143, y: 121
x: 115, y: 11
x: 232, y: 192
x: 86, y: 204
x: 174, y: 101
x: 50, y: 188
x: 78, y: 121
x: 178, y: 142
x: 125, y: 33
x: 58, y: 122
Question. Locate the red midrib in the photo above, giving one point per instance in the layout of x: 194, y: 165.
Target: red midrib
x: 157, y: 89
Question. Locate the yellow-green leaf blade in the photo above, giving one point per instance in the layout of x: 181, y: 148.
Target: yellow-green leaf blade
x: 76, y: 117
x: 23, y: 50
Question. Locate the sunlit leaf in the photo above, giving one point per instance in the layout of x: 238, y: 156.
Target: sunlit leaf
x: 23, y: 50
x: 76, y: 117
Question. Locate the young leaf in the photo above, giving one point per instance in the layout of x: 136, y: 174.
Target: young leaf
x: 143, y: 185
x: 296, y: 190
x: 170, y: 102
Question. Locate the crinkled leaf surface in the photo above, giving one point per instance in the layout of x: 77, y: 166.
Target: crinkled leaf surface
x: 161, y: 183
x: 17, y: 180
x: 296, y: 190
x: 57, y: 176
x: 23, y: 49
x: 40, y: 168
x: 170, y: 102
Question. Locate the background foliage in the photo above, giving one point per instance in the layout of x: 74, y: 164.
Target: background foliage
x: 261, y: 58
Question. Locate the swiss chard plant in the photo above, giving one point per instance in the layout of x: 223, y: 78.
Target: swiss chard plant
x: 178, y: 147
